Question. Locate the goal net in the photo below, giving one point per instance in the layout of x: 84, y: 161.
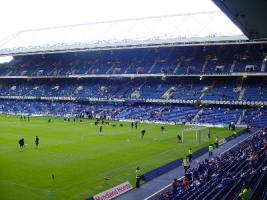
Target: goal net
x: 196, y: 135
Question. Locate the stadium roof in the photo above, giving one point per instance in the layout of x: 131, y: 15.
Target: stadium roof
x: 247, y: 15
x: 208, y: 26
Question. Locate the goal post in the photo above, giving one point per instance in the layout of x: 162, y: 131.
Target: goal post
x: 196, y: 135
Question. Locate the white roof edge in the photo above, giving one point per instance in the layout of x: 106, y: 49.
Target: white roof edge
x: 128, y: 45
x: 168, y: 30
x: 119, y: 20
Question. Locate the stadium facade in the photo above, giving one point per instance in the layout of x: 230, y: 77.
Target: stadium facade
x: 207, y: 84
x: 199, y: 73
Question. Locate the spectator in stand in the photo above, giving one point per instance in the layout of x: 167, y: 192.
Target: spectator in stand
x: 163, y: 197
x: 196, y: 182
x: 245, y: 194
x: 224, y: 183
x: 253, y: 158
x: 265, y: 145
x: 175, y: 185
x: 185, y: 182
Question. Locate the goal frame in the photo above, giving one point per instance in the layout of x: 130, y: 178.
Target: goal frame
x: 197, y: 130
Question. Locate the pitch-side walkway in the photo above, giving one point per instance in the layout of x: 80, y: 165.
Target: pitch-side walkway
x: 162, y: 181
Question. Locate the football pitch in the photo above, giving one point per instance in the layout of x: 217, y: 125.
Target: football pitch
x: 80, y: 158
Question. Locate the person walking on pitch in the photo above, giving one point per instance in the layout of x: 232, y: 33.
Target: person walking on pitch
x: 179, y: 139
x: 21, y: 143
x: 36, y: 142
x: 53, y: 177
x: 143, y: 133
x: 162, y: 128
x: 209, y: 134
x: 100, y: 131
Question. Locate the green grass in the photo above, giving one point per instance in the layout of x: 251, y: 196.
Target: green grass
x: 79, y: 157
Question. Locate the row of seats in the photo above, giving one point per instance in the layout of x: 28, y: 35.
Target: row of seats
x: 143, y: 88
x: 174, y: 60
x: 255, y: 116
x: 217, y: 115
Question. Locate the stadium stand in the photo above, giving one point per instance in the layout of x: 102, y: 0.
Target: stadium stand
x: 222, y: 177
x: 171, y: 114
x: 190, y: 84
x: 195, y: 85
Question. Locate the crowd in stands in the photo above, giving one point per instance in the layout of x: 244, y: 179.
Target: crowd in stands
x: 239, y: 173
x: 174, y: 60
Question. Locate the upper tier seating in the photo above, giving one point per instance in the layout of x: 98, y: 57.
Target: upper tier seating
x: 172, y: 60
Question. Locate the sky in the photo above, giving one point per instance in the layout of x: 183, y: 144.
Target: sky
x: 17, y: 15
